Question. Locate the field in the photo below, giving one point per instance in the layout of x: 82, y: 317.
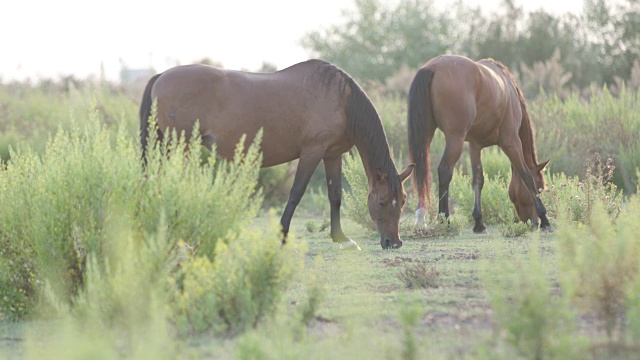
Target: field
x: 364, y: 299
x: 101, y: 260
x: 368, y: 311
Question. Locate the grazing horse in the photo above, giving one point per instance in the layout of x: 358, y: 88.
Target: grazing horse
x: 310, y: 111
x: 478, y: 102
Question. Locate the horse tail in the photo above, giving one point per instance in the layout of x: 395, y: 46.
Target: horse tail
x: 145, y: 113
x: 422, y: 127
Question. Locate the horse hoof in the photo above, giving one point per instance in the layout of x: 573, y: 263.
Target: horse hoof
x: 349, y: 245
x: 548, y: 229
x: 480, y: 231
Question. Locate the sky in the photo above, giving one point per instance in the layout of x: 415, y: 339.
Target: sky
x: 49, y: 39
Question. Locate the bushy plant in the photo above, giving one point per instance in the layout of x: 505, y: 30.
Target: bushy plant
x: 536, y: 323
x: 441, y: 227
x: 314, y: 292
x: 496, y: 205
x: 576, y: 198
x: 240, y: 287
x: 121, y: 312
x: 599, y: 264
x: 419, y: 275
x: 31, y: 112
x: 203, y: 201
x: 515, y: 229
x: 355, y: 200
x: 568, y: 129
x: 56, y: 206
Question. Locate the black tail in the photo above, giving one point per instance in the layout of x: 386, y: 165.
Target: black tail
x: 145, y: 113
x: 422, y: 126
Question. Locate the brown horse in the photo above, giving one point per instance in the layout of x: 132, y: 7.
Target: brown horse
x: 310, y: 111
x: 478, y: 102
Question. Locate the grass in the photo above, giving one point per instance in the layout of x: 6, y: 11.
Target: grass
x: 363, y: 296
x: 365, y: 309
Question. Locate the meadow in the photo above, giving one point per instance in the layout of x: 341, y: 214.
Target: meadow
x: 99, y: 259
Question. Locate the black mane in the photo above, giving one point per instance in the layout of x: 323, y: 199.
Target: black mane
x: 364, y: 126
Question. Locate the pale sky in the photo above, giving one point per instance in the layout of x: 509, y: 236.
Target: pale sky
x: 45, y: 38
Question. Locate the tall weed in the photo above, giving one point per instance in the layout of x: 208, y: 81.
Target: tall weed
x: 598, y: 265
x: 496, y: 205
x: 528, y: 316
x: 576, y: 198
x: 355, y: 200
x: 56, y: 206
x: 241, y: 287
x: 121, y: 312
x: 568, y: 129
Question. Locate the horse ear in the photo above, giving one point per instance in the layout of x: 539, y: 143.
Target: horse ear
x: 542, y: 166
x: 406, y: 172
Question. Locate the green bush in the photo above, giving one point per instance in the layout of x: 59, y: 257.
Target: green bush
x: 599, y: 264
x: 56, y: 206
x: 496, y: 205
x: 576, y: 198
x: 121, y: 312
x: 355, y: 200
x: 567, y: 130
x: 241, y: 287
x: 537, y: 324
x: 515, y: 229
x: 30, y: 113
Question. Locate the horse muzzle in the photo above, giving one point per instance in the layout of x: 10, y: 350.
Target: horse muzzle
x: 387, y: 243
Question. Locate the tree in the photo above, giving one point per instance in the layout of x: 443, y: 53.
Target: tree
x: 375, y: 40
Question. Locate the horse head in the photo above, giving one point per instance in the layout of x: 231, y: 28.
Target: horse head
x: 385, y: 204
x: 520, y: 197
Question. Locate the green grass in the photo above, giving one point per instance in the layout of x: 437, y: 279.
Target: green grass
x: 365, y: 307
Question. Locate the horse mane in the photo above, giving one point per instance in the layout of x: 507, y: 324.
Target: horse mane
x: 526, y: 132
x: 364, y: 126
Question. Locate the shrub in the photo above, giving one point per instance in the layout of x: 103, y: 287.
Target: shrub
x: 418, y: 275
x: 355, y: 200
x: 56, y: 206
x: 568, y: 129
x: 241, y: 287
x: 598, y: 264
x: 515, y: 229
x: 121, y: 312
x: 496, y: 205
x: 314, y: 292
x: 536, y: 323
x: 577, y: 197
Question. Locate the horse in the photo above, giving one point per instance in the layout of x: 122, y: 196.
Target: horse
x: 310, y: 111
x: 478, y: 102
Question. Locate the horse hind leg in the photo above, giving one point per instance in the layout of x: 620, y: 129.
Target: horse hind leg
x: 477, y: 183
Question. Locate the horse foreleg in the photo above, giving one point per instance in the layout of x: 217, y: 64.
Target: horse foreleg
x: 333, y: 172
x: 478, y: 183
x: 306, y: 167
x: 452, y: 152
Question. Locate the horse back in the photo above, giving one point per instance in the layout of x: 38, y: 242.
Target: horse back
x: 293, y: 107
x: 471, y: 99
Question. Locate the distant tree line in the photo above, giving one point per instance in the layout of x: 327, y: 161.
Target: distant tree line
x: 379, y: 38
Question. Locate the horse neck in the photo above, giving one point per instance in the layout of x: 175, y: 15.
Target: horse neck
x: 366, y: 131
x: 375, y: 157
